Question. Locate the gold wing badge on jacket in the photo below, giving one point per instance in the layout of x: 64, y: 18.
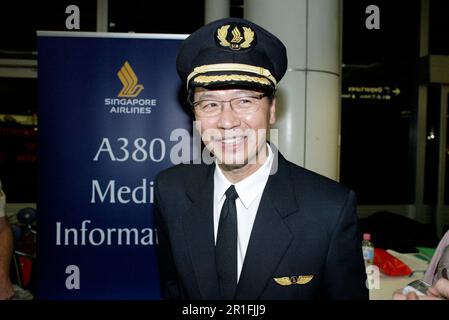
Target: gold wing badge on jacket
x: 288, y: 281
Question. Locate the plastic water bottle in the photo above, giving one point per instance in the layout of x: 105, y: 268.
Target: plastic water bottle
x: 368, y: 249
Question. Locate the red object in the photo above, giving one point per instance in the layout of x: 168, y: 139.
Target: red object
x: 389, y: 264
x: 26, y: 265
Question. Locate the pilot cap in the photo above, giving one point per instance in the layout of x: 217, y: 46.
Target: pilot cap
x: 232, y: 52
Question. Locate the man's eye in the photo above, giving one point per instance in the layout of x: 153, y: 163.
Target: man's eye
x: 244, y: 101
x: 210, y: 105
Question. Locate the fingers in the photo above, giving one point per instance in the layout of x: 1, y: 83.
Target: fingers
x: 441, y: 288
x: 433, y: 292
x: 397, y: 295
x: 412, y: 296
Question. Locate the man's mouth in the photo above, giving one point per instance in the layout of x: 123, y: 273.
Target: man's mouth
x: 231, y: 144
x: 233, y: 140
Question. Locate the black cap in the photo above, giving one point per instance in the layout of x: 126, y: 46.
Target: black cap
x: 232, y: 52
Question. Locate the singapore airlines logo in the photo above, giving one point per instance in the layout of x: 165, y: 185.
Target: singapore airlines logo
x: 131, y: 88
x: 238, y: 41
x: 127, y: 102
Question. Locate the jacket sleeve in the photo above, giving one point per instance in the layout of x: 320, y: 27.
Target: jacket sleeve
x: 167, y: 271
x: 344, y: 274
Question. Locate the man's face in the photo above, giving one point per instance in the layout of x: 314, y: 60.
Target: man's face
x: 235, y: 139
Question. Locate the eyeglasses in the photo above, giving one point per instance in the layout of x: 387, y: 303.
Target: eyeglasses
x: 240, y: 105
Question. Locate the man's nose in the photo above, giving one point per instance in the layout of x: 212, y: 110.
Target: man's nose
x: 227, y: 118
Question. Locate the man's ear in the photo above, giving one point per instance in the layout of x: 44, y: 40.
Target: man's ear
x: 272, y: 111
x: 197, y: 125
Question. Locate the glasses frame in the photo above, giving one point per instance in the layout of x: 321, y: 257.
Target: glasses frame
x: 222, y: 102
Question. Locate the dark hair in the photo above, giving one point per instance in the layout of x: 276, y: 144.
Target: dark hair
x: 271, y: 97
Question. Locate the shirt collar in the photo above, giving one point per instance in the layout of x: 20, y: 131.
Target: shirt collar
x: 249, y: 188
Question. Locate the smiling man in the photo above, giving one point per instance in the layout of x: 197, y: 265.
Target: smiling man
x: 233, y: 124
x: 252, y: 225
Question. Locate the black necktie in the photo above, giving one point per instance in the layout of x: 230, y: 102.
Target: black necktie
x: 226, y: 247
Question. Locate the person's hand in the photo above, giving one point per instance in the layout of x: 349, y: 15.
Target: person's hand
x: 6, y: 289
x: 2, y: 202
x: 440, y: 289
x: 437, y: 292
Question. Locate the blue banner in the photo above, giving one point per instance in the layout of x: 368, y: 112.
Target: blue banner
x: 109, y: 118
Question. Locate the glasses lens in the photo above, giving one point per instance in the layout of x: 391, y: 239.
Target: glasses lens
x: 208, y: 107
x: 245, y: 104
x: 240, y: 105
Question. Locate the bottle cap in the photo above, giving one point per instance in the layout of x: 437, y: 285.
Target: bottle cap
x: 367, y: 236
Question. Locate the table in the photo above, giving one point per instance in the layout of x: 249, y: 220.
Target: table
x: 387, y: 285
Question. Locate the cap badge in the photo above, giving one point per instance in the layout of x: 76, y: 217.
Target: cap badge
x: 238, y: 41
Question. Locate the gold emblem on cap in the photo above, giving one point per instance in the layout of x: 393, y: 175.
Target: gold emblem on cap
x: 237, y: 36
x: 288, y: 281
x: 236, y: 42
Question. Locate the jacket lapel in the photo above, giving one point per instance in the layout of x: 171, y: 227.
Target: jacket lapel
x: 199, y: 234
x: 270, y: 237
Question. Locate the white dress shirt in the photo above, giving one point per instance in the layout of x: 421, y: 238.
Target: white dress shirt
x: 250, y: 192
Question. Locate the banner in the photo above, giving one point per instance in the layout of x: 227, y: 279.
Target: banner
x: 109, y: 118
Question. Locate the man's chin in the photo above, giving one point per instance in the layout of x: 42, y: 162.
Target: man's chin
x: 231, y: 161
x: 231, y: 166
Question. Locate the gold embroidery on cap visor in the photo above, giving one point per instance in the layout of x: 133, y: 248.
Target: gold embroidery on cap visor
x: 231, y: 67
x: 230, y: 77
